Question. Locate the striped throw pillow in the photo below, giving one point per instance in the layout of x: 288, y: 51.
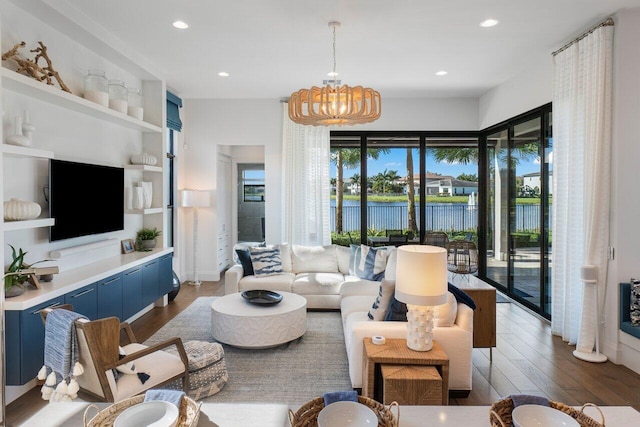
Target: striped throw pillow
x: 266, y: 261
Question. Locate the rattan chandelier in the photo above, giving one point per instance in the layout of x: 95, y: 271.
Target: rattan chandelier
x: 334, y: 104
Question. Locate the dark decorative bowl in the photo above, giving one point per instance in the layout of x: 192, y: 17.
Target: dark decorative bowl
x: 262, y: 297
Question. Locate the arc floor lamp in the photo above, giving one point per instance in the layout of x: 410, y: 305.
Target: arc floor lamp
x: 195, y: 199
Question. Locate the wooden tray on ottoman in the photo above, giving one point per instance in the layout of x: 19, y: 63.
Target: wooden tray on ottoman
x: 307, y: 415
x: 500, y: 413
x: 189, y: 412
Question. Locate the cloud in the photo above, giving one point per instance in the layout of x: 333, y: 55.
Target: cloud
x: 392, y: 164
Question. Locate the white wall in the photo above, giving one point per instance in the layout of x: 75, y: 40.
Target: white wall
x: 526, y: 91
x: 258, y: 122
x: 625, y: 202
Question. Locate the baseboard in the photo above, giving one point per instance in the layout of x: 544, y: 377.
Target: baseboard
x: 459, y: 394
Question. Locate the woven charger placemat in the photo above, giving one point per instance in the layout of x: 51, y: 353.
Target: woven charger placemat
x: 307, y: 415
x: 189, y: 412
x: 500, y: 413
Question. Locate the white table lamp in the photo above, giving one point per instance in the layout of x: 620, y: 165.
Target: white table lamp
x: 195, y: 199
x: 421, y: 283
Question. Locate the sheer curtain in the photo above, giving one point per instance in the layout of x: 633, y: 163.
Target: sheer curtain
x: 582, y: 144
x: 306, y: 183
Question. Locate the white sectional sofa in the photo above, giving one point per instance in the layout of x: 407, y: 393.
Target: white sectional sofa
x: 321, y: 275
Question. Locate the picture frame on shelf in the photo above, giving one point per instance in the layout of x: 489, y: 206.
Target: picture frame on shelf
x: 127, y: 246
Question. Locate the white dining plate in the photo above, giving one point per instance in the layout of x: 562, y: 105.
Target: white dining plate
x: 347, y: 414
x: 541, y: 416
x: 156, y: 413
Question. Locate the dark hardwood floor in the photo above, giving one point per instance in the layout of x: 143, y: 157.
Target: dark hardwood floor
x: 527, y: 359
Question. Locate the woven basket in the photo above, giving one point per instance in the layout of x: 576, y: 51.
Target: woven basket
x: 307, y: 415
x: 500, y: 413
x: 189, y: 412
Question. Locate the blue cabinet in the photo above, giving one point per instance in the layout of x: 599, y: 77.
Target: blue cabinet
x: 166, y: 274
x: 150, y: 287
x: 110, y: 297
x: 131, y: 292
x: 84, y: 301
x: 25, y: 342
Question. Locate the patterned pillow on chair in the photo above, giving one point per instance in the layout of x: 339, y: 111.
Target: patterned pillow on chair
x: 266, y: 261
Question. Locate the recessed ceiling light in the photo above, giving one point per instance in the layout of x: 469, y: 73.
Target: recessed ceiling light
x: 223, y: 74
x: 489, y: 23
x: 181, y: 25
x: 442, y: 73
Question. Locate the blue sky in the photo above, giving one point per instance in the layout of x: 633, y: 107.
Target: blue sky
x: 396, y: 160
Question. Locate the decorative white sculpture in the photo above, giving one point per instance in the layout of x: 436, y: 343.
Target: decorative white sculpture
x: 147, y: 193
x: 20, y: 210
x: 18, y: 138
x: 144, y: 159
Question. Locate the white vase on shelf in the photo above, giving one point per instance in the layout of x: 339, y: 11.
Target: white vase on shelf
x: 138, y: 198
x: 143, y: 159
x: 18, y: 138
x: 21, y: 210
x: 147, y: 191
x: 27, y: 127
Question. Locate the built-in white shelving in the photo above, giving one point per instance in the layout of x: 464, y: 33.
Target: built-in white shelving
x: 143, y: 211
x: 54, y: 95
x: 144, y: 168
x: 17, y: 151
x: 25, y: 225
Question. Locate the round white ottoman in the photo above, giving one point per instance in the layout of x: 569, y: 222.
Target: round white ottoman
x: 239, y: 323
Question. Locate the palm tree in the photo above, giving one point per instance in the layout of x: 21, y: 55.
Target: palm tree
x: 411, y: 191
x: 355, y: 180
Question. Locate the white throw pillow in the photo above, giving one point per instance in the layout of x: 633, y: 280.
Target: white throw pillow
x: 285, y: 256
x: 445, y: 315
x: 392, y: 259
x: 343, y: 253
x: 380, y: 305
x: 266, y: 261
x: 314, y: 259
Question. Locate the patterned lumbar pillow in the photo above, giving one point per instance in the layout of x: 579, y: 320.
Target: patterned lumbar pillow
x: 266, y: 261
x: 367, y: 263
x: 635, y: 302
x: 129, y: 368
x: 380, y: 305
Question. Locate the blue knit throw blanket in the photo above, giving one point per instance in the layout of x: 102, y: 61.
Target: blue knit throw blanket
x: 60, y: 356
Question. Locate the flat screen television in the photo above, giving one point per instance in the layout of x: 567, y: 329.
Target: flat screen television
x: 84, y: 199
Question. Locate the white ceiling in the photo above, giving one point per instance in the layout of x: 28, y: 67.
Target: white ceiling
x: 271, y: 48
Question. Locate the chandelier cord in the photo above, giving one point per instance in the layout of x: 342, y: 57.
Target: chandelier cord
x: 335, y: 75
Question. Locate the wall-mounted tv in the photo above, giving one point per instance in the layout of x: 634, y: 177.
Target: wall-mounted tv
x: 84, y: 199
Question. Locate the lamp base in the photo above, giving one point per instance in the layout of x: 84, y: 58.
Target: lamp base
x: 419, y: 327
x: 590, y: 357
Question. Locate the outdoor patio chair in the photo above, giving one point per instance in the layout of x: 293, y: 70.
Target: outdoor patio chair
x: 389, y: 233
x: 462, y: 257
x: 397, y: 240
x: 436, y: 238
x: 98, y: 348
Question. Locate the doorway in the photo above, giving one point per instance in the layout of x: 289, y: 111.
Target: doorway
x: 251, y: 198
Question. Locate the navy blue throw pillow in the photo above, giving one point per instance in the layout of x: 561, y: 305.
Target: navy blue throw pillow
x: 462, y: 296
x: 397, y: 311
x: 244, y: 256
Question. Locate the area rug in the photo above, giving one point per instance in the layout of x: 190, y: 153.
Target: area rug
x: 292, y: 373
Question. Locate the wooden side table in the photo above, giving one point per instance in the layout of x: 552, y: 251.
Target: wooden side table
x: 484, y: 316
x: 396, y: 352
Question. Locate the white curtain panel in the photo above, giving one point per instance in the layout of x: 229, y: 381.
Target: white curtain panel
x: 306, y: 183
x: 582, y: 89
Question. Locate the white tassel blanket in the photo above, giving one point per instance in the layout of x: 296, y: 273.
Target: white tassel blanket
x: 61, y: 359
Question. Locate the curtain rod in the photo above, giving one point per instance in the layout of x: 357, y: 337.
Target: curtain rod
x: 606, y: 23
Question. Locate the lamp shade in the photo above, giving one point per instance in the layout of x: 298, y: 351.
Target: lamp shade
x: 195, y: 198
x: 421, y: 275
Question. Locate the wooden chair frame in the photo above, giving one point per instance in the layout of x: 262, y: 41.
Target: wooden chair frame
x: 103, y: 340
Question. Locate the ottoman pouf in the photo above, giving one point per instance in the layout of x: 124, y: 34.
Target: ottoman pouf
x: 207, y: 368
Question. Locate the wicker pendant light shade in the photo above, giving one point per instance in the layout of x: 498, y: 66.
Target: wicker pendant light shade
x: 334, y: 104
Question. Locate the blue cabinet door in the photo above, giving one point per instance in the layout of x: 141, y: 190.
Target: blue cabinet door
x: 84, y: 301
x: 150, y: 286
x: 25, y: 342
x: 166, y: 274
x: 110, y: 297
x: 131, y: 292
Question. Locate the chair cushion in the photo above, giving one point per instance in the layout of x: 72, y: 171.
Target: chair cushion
x: 160, y: 366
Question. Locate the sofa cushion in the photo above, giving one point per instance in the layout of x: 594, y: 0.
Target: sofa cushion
x: 353, y: 285
x: 317, y: 259
x: 344, y: 254
x: 379, y: 307
x: 277, y: 282
x: 392, y: 259
x: 367, y: 262
x: 285, y: 256
x: 317, y: 283
x: 266, y: 261
x: 444, y: 315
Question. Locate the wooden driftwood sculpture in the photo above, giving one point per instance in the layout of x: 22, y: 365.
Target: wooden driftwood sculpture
x: 31, y: 67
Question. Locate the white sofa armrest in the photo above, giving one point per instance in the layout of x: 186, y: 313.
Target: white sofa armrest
x: 464, y: 318
x: 232, y: 278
